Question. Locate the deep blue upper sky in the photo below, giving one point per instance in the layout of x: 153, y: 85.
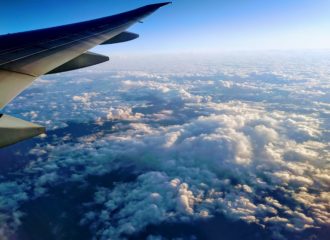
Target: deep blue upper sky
x: 187, y: 25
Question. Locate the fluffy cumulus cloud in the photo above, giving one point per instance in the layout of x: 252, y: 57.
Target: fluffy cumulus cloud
x: 230, y: 162
x: 123, y: 114
x: 245, y: 139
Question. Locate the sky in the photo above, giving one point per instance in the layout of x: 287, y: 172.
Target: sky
x: 231, y: 146
x: 189, y: 26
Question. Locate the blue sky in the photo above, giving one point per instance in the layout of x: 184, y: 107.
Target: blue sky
x: 190, y: 26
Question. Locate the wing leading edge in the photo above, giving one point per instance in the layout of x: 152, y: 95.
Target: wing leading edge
x: 26, y: 56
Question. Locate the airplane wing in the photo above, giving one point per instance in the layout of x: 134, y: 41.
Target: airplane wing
x: 28, y: 55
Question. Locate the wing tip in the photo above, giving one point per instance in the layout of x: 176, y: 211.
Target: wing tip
x: 163, y: 4
x: 158, y: 5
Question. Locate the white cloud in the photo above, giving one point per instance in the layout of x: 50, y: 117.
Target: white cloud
x: 84, y: 98
x: 204, y: 140
x: 123, y: 114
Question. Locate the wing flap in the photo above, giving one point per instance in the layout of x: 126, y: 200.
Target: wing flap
x: 122, y: 37
x: 84, y: 60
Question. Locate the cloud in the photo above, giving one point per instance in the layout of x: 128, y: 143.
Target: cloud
x: 123, y: 114
x: 244, y: 140
x: 203, y: 155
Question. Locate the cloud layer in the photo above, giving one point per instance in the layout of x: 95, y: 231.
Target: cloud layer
x: 245, y: 137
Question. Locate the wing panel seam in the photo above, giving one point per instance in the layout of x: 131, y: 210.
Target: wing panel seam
x: 13, y: 71
x: 64, y: 44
